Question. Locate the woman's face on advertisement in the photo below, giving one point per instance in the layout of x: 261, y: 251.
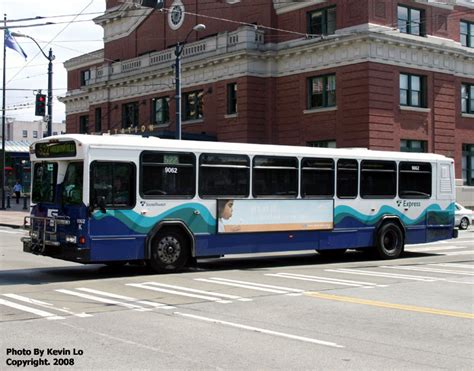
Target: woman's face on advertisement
x: 227, y: 212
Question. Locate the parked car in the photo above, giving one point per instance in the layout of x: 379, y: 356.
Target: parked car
x: 463, y: 217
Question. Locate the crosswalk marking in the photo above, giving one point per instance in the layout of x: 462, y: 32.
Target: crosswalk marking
x: 435, y: 248
x: 127, y: 298
x: 426, y: 269
x: 45, y: 305
x: 185, y: 291
x: 320, y: 279
x: 251, y: 285
x: 104, y: 300
x: 35, y: 311
x: 383, y: 274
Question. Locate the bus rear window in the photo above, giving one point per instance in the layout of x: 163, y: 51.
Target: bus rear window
x: 44, y: 182
x: 165, y: 174
x: 414, y: 180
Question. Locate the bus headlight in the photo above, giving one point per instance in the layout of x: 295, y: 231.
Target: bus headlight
x: 71, y: 239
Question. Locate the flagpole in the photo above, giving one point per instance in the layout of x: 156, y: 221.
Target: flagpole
x: 3, y: 111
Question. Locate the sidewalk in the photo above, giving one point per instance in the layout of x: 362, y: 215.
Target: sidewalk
x: 13, y: 217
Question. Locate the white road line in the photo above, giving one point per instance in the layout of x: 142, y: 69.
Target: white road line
x: 151, y: 286
x: 127, y: 298
x: 436, y: 248
x: 432, y: 270
x: 455, y: 253
x: 335, y: 281
x: 104, y: 300
x: 24, y: 308
x: 386, y: 275
x: 45, y: 305
x: 260, y: 285
x: 261, y: 330
x: 454, y: 265
x: 10, y: 232
x: 245, y: 286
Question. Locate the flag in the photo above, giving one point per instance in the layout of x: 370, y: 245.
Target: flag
x: 11, y: 43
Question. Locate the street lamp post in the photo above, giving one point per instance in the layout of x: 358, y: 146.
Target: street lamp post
x: 50, y: 57
x: 177, y: 73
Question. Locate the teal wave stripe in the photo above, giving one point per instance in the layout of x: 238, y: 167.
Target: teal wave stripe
x: 203, y: 222
x: 342, y: 212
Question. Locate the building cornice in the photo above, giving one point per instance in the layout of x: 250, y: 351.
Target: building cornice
x: 85, y: 60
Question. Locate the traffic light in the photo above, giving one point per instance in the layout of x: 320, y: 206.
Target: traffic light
x: 40, y: 105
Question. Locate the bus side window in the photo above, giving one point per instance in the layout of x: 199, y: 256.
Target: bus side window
x: 378, y: 179
x: 317, y: 177
x: 114, y: 182
x: 414, y: 180
x: 224, y: 175
x: 347, y: 178
x: 275, y: 176
x: 167, y: 174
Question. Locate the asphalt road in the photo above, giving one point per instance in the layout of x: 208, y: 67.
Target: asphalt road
x: 288, y: 311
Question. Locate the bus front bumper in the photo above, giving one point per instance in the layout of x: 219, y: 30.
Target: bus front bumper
x: 56, y: 250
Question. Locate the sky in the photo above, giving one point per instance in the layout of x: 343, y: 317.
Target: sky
x: 73, y: 34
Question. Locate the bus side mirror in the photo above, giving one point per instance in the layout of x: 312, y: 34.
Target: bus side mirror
x: 101, y: 204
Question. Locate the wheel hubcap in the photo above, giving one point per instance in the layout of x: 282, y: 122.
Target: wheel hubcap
x: 390, y: 241
x: 169, y: 250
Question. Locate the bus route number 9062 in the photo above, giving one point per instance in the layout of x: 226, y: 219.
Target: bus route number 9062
x: 171, y: 170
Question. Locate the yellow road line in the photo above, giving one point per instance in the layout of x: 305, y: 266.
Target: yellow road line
x: 410, y: 308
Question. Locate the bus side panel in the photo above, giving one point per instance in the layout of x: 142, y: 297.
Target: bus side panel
x: 113, y: 236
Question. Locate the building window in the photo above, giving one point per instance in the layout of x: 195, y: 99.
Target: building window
x: 467, y: 98
x: 85, y: 77
x: 25, y: 133
x: 323, y: 144
x: 98, y: 120
x: 160, y: 110
x: 467, y: 34
x: 232, y: 98
x: 35, y: 134
x: 322, y: 91
x: 130, y: 115
x: 407, y: 145
x: 468, y: 164
x: 412, y: 90
x: 83, y: 124
x: 193, y: 102
x: 411, y: 21
x: 322, y: 22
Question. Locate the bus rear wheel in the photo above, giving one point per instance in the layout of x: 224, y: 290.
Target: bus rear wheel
x: 169, y: 252
x: 389, y: 243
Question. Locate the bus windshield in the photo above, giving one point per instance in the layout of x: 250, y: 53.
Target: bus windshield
x: 72, y: 185
x: 44, y: 181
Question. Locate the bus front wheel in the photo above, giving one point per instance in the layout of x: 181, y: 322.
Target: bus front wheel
x: 389, y: 242
x: 169, y: 252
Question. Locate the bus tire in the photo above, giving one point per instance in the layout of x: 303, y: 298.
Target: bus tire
x: 169, y: 251
x: 389, y: 241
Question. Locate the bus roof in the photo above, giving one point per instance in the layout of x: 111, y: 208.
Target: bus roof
x: 155, y: 143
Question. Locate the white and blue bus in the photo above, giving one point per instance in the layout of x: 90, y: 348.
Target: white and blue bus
x: 122, y: 198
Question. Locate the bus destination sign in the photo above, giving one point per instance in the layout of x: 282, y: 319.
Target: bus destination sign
x: 57, y: 149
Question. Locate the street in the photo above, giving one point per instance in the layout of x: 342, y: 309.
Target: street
x: 285, y: 311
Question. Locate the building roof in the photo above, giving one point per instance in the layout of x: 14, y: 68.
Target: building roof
x: 18, y: 146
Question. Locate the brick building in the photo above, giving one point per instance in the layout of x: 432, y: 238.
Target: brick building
x: 382, y: 74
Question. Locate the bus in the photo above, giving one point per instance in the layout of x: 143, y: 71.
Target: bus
x: 117, y: 199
